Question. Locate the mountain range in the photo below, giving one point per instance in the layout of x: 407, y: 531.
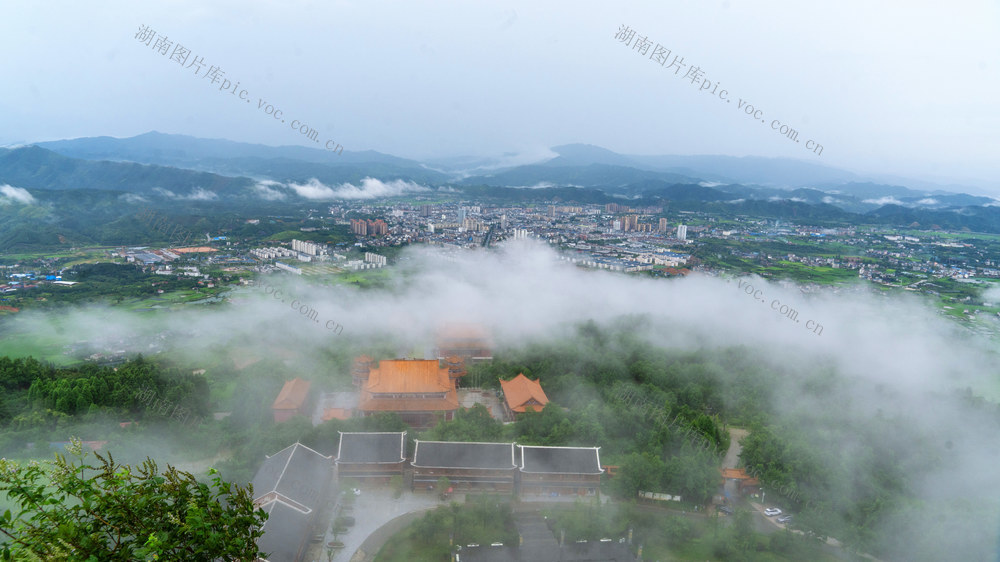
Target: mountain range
x: 214, y: 173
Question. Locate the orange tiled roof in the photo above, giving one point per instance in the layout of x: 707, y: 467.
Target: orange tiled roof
x: 336, y: 413
x: 737, y: 473
x: 458, y: 336
x: 408, y: 376
x: 447, y: 404
x: 462, y: 331
x: 292, y: 395
x: 522, y: 393
x: 402, y: 377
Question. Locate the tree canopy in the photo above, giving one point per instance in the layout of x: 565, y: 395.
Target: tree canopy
x: 67, y: 509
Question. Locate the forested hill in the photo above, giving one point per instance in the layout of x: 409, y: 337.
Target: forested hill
x: 35, y: 167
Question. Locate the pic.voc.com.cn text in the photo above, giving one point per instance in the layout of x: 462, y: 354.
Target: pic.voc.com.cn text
x: 668, y: 60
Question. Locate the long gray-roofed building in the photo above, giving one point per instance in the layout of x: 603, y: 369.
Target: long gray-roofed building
x: 560, y: 470
x: 290, y: 486
x: 373, y: 457
x: 482, y: 466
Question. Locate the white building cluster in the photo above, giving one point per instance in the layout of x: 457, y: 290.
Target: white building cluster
x: 272, y: 253
x: 310, y: 248
x: 379, y: 261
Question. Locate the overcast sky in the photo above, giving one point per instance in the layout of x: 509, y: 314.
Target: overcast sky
x: 907, y: 88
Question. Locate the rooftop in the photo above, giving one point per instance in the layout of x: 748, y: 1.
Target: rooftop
x: 560, y: 460
x: 409, y: 376
x: 292, y: 395
x: 522, y: 394
x: 372, y: 447
x: 441, y: 454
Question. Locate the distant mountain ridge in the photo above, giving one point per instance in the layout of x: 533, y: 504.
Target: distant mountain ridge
x: 36, y: 167
x: 225, y: 157
x: 181, y: 167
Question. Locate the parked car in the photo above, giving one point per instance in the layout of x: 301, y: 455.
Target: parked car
x: 772, y: 511
x: 784, y: 519
x: 726, y: 509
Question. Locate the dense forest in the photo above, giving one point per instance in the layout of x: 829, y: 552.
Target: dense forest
x: 39, y: 398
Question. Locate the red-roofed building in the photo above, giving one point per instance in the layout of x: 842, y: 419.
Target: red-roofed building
x: 419, y: 390
x: 470, y: 341
x: 359, y: 371
x: 522, y: 394
x: 456, y: 367
x: 293, y: 400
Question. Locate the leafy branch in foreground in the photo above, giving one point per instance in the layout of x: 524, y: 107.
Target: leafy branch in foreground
x: 71, y: 510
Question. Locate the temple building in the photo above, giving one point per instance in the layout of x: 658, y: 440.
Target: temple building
x: 291, y: 486
x: 560, y: 470
x: 456, y: 367
x: 419, y: 390
x: 470, y: 341
x: 467, y: 466
x: 522, y: 394
x: 371, y: 457
x: 293, y: 400
x: 359, y: 371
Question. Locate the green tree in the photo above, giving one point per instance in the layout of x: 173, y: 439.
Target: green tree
x: 677, y: 529
x: 639, y: 472
x: 443, y: 484
x: 473, y: 424
x: 69, y: 510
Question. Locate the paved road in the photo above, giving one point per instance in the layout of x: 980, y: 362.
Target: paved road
x: 733, y: 454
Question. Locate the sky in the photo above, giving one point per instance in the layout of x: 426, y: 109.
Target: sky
x: 902, y: 88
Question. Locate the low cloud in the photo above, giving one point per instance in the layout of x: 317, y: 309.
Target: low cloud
x: 370, y: 188
x: 133, y: 198
x: 539, y: 185
x: 268, y: 190
x: 197, y: 194
x: 895, y: 356
x: 888, y: 200
x: 11, y: 194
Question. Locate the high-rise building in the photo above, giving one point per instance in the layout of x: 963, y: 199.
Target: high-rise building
x: 682, y: 232
x: 663, y: 225
x: 369, y: 227
x: 425, y: 210
x: 632, y: 223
